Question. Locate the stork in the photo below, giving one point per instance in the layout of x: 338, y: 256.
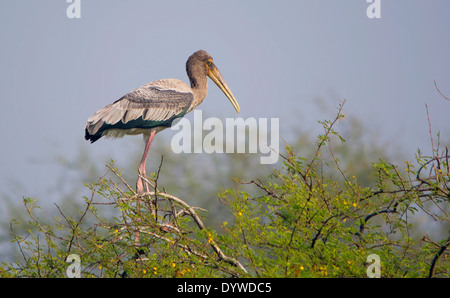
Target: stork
x: 154, y: 106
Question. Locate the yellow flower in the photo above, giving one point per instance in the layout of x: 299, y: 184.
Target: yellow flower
x: 323, y: 270
x: 354, y: 205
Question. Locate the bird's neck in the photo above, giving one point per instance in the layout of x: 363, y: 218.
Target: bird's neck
x: 199, y: 87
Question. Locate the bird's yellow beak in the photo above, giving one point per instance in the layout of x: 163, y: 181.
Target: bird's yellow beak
x: 216, y: 77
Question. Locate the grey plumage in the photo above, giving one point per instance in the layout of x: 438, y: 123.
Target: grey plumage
x: 154, y: 104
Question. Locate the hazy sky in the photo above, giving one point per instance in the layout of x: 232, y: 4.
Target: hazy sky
x: 278, y: 57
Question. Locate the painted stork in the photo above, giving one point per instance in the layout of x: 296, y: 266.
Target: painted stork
x: 154, y: 106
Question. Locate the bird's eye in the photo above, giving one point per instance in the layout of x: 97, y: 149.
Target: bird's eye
x: 209, y: 62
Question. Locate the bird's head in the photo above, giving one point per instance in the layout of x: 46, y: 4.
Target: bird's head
x: 202, y: 63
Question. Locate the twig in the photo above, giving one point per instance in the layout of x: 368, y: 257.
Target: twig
x: 431, y: 133
x: 362, y: 226
x: 120, y: 177
x: 437, y: 256
x: 337, y: 165
x: 17, y: 241
x: 136, y: 238
x: 399, y: 176
x: 440, y: 91
x: 154, y: 203
x: 435, y: 187
x: 326, y: 136
x: 70, y: 225
x: 41, y: 228
x: 261, y: 185
x: 184, y: 247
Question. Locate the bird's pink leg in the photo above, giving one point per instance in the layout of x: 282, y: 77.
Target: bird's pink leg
x: 141, y: 170
x: 140, y: 183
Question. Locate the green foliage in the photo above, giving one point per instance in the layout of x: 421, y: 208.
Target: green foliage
x: 304, y: 222
x: 132, y: 244
x: 307, y: 225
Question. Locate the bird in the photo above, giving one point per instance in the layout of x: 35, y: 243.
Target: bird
x: 153, y: 107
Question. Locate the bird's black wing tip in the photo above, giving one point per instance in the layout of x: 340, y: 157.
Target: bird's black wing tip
x: 91, y: 138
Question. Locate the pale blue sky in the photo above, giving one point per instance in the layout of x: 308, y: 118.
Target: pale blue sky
x: 278, y: 57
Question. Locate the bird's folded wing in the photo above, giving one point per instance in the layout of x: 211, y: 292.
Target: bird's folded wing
x: 149, y: 106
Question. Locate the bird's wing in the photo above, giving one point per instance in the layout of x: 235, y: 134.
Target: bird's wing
x: 153, y: 105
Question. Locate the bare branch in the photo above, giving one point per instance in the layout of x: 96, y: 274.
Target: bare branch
x: 435, y: 84
x: 437, y: 256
